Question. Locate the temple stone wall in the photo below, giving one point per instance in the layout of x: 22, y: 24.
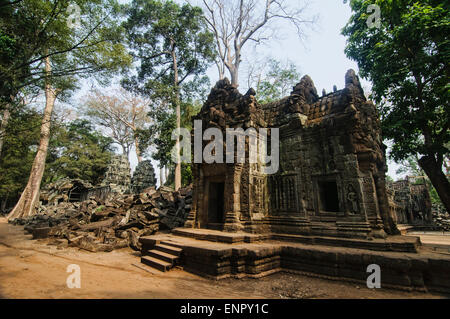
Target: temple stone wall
x: 411, y: 202
x: 118, y: 175
x: 331, y: 179
x: 143, y: 177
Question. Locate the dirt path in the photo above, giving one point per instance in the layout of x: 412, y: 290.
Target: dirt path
x: 33, y: 269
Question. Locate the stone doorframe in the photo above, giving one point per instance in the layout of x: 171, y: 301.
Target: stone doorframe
x: 230, y: 175
x: 317, y: 179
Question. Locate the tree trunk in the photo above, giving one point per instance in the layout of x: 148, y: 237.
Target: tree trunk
x: 166, y: 171
x: 234, y: 72
x: 124, y: 150
x: 4, y: 123
x: 161, y: 176
x: 178, y: 106
x: 437, y: 178
x: 4, y: 202
x: 138, y: 151
x: 26, y: 205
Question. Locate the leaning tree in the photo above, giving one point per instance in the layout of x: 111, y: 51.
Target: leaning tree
x: 62, y: 54
x: 405, y: 54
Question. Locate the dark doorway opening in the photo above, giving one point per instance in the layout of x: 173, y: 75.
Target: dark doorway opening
x: 329, y: 199
x: 216, y: 203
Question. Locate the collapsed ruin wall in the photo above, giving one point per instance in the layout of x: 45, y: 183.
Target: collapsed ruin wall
x: 117, y: 180
x: 115, y: 222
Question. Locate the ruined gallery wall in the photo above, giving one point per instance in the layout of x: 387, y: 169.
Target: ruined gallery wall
x: 332, y: 164
x: 410, y: 202
x: 330, y: 144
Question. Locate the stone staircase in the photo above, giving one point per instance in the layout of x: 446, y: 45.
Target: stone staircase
x: 163, y: 256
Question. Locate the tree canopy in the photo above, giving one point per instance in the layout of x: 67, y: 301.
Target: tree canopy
x: 33, y: 30
x: 166, y: 38
x: 173, y: 48
x: 275, y: 83
x: 406, y: 59
x: 78, y: 151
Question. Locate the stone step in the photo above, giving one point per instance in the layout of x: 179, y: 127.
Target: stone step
x: 156, y: 263
x: 169, y: 249
x: 172, y: 259
x: 171, y: 243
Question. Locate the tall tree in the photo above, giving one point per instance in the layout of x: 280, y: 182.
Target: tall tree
x: 158, y: 140
x: 235, y: 23
x: 406, y: 58
x: 68, y: 56
x: 171, y: 43
x: 123, y: 114
x: 23, y: 98
x: 78, y: 151
x: 21, y: 140
x: 84, y: 28
x: 3, y: 123
x: 275, y: 81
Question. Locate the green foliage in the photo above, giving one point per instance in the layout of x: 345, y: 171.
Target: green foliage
x: 21, y: 142
x: 31, y: 30
x: 410, y: 166
x: 75, y: 151
x: 78, y: 151
x: 407, y: 61
x: 160, y: 136
x: 159, y: 30
x: 278, y: 82
x: 186, y: 176
x: 174, y: 49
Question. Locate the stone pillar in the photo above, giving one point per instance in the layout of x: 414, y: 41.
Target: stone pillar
x: 197, y: 191
x: 232, y: 222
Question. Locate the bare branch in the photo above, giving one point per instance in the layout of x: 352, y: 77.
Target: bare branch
x: 235, y: 22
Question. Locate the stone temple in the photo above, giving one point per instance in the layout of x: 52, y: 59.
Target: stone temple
x: 118, y: 175
x: 143, y: 177
x: 331, y: 180
x: 326, y: 211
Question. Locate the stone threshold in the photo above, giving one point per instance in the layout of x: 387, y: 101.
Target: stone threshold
x: 409, y: 244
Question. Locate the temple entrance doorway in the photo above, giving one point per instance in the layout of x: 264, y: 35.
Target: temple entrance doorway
x: 216, y: 204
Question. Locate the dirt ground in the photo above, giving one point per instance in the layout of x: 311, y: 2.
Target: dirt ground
x: 33, y: 269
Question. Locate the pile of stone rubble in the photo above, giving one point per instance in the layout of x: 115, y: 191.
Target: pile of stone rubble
x: 115, y: 222
x: 441, y: 218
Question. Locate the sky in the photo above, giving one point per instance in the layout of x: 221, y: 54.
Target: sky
x: 321, y: 55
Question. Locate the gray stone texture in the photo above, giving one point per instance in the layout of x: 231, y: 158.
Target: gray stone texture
x: 143, y: 177
x: 118, y: 175
x: 331, y: 180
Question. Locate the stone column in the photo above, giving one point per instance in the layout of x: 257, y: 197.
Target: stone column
x: 197, y: 191
x: 233, y: 210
